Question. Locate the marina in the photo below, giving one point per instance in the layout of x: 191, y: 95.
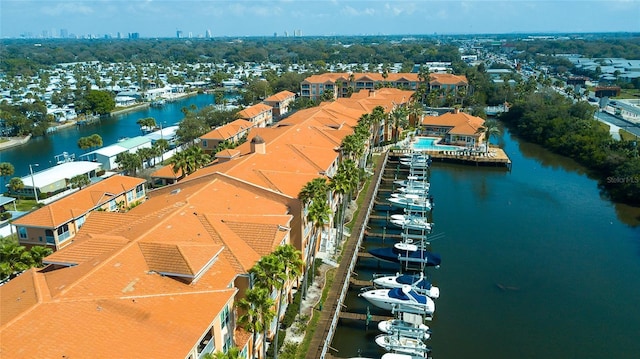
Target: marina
x: 486, y: 306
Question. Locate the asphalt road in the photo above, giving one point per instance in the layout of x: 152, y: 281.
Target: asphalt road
x: 629, y: 126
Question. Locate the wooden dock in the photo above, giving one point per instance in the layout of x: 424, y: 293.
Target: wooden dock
x: 360, y: 316
x: 496, y: 157
x: 360, y: 283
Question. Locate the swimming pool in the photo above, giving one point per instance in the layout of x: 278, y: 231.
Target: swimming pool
x: 430, y: 144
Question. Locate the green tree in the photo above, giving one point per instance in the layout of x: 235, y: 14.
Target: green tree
x: 399, y: 120
x: 489, y: 128
x: 162, y: 146
x: 146, y: 124
x: 16, y: 184
x: 343, y: 183
x: 100, y: 102
x: 191, y: 128
x: 257, y: 313
x: 6, y: 169
x: 130, y: 162
x: 314, y: 195
x: 79, y: 181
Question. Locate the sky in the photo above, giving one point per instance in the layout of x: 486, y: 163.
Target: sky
x: 163, y: 18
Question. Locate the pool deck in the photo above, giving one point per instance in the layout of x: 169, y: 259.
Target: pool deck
x: 496, y: 157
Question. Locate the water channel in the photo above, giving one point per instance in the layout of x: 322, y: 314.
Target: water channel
x: 42, y: 150
x: 535, y: 264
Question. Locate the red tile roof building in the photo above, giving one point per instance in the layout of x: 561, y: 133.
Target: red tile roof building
x: 160, y: 280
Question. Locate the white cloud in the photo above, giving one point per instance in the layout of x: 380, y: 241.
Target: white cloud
x: 67, y: 8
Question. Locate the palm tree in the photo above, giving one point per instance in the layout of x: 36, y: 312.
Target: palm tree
x: 489, y: 128
x: 378, y: 117
x: 258, y: 312
x: 314, y: 192
x: 14, y: 259
x: 417, y: 112
x: 196, y: 159
x: 162, y: 145
x: 179, y: 163
x: 343, y: 183
x: 399, y: 120
x: 232, y: 353
x: 291, y: 260
x: 319, y: 214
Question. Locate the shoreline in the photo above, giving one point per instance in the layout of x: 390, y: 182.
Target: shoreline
x: 19, y: 141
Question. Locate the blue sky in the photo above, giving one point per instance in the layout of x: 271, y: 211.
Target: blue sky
x: 161, y: 18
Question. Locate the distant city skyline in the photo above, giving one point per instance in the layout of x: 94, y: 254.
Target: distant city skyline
x: 215, y: 18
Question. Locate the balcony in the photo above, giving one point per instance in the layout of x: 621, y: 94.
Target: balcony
x: 208, y: 348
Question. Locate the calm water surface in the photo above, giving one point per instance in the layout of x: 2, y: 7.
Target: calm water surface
x: 42, y: 150
x: 570, y: 257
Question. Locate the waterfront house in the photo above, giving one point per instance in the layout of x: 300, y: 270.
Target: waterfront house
x: 259, y: 114
x: 344, y: 84
x: 280, y: 102
x: 181, y: 259
x: 55, y: 224
x: 54, y: 180
x: 107, y: 155
x: 231, y: 132
x: 455, y: 128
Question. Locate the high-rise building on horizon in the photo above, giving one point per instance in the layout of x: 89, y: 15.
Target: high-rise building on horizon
x: 64, y: 33
x: 207, y: 34
x: 179, y: 34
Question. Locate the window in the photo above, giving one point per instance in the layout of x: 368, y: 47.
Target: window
x: 113, y: 205
x: 80, y: 221
x: 22, y: 232
x: 224, y: 317
x: 140, y: 190
x: 207, y: 344
x: 130, y: 196
x: 205, y: 143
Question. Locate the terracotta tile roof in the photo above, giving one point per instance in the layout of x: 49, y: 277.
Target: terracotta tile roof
x: 165, y: 172
x: 448, y: 79
x: 255, y: 110
x: 18, y: 297
x: 87, y: 249
x: 460, y: 123
x: 227, y: 153
x: 165, y: 325
x: 79, y: 203
x: 333, y: 77
x: 229, y: 130
x: 103, y: 222
x: 183, y: 259
x: 280, y: 96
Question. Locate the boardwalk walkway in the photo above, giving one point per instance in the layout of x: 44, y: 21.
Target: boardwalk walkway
x: 331, y: 304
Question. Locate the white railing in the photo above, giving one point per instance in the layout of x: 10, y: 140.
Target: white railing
x: 352, y: 264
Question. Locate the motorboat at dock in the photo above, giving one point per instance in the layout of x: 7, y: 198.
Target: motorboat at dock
x: 417, y: 282
x: 399, y: 298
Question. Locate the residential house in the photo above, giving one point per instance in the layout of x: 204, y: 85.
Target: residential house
x: 231, y: 132
x: 456, y: 128
x: 107, y: 155
x: 55, y: 224
x: 280, y: 102
x: 180, y: 260
x: 56, y: 179
x: 259, y: 114
x: 344, y: 84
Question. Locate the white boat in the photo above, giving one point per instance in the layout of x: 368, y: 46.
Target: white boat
x: 417, y: 282
x: 412, y: 202
x: 398, y: 326
x: 419, y: 190
x: 404, y: 356
x: 402, y: 344
x: 399, y: 298
x: 411, y: 222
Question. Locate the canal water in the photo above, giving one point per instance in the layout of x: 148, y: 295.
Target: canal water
x: 42, y: 150
x: 535, y: 264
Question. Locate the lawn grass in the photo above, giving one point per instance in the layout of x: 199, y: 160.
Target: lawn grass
x: 629, y: 93
x: 627, y: 136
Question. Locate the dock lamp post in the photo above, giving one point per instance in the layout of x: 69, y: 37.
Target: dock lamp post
x: 33, y: 182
